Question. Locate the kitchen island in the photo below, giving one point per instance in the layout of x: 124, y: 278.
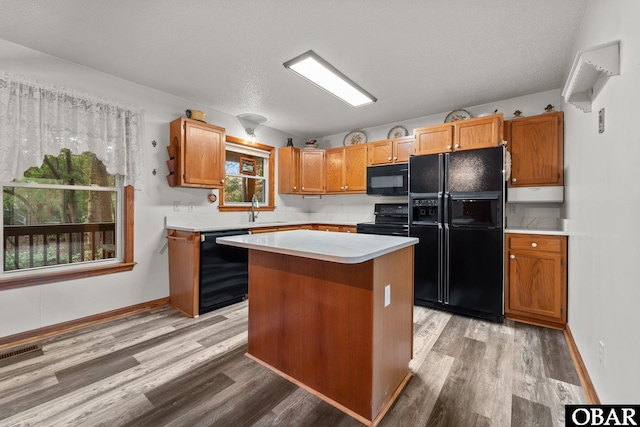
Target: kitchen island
x: 333, y: 313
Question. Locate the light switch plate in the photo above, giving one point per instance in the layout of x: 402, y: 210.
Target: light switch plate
x: 176, y: 206
x: 387, y: 295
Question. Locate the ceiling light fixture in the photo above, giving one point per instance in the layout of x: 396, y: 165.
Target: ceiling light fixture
x: 250, y: 122
x: 319, y: 72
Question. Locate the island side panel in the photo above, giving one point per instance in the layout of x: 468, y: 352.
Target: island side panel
x: 393, y: 325
x: 312, y: 320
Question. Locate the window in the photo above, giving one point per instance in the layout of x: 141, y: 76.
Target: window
x: 249, y: 170
x: 65, y: 214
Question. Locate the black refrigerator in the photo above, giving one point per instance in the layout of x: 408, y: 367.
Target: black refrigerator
x: 456, y: 210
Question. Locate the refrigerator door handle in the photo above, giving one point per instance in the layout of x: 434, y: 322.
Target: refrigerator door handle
x: 446, y: 263
x: 444, y: 173
x: 441, y: 269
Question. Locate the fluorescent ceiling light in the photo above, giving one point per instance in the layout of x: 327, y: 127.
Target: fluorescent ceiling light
x: 319, y: 72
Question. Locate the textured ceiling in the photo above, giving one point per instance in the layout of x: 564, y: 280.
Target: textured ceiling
x: 418, y: 57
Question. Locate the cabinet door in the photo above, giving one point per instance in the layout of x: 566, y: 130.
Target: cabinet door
x: 536, y: 285
x: 403, y: 148
x: 536, y: 148
x: 184, y: 268
x: 355, y: 168
x: 334, y: 163
x: 288, y: 170
x: 434, y: 139
x: 203, y: 155
x: 380, y: 152
x: 482, y: 132
x: 311, y: 171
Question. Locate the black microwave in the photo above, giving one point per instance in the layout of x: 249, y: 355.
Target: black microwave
x: 388, y: 180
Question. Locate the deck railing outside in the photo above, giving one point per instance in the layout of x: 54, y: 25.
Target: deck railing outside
x: 28, y: 246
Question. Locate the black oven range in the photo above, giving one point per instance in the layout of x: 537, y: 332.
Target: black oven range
x: 391, y: 219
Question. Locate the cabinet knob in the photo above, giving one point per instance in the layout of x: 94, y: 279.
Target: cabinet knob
x: 448, y: 147
x: 222, y: 181
x: 302, y: 188
x: 457, y: 145
x: 395, y: 158
x: 295, y: 188
x: 348, y: 231
x: 512, y: 256
x: 389, y: 159
x: 534, y: 245
x: 342, y: 188
x: 513, y: 180
x: 346, y: 187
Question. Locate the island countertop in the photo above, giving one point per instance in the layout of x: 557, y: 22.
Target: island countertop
x: 344, y: 248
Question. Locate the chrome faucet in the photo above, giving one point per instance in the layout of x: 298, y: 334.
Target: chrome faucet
x: 254, y: 205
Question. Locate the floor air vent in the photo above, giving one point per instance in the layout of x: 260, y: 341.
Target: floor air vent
x: 19, y: 354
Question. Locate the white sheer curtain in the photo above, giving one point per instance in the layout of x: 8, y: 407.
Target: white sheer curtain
x: 38, y: 119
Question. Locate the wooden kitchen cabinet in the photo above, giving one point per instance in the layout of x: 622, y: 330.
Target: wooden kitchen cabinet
x: 184, y: 272
x: 200, y: 154
x: 481, y: 132
x: 346, y: 169
x: 312, y: 171
x: 536, y: 145
x: 536, y: 279
x: 434, y: 139
x: 289, y: 170
x: 389, y: 151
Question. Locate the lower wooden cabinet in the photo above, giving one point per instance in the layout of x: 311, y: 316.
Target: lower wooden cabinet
x: 536, y: 279
x: 184, y: 271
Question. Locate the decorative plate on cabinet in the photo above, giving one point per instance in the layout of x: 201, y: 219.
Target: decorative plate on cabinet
x: 397, y: 132
x: 355, y: 137
x: 456, y: 115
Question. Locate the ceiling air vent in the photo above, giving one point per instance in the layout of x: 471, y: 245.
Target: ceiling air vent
x: 19, y: 354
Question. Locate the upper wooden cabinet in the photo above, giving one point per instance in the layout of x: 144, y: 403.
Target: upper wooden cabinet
x: 200, y: 154
x: 289, y: 170
x: 311, y: 171
x: 434, y: 139
x: 536, y: 279
x: 481, y: 132
x: 346, y: 169
x: 388, y: 151
x: 536, y: 145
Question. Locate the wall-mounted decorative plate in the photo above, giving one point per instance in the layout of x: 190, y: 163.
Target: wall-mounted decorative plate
x: 355, y: 137
x: 397, y: 132
x: 456, y: 115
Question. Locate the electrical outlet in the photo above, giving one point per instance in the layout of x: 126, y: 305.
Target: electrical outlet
x: 601, y: 121
x: 601, y: 354
x: 513, y: 208
x: 176, y: 206
x: 387, y: 295
x: 190, y: 208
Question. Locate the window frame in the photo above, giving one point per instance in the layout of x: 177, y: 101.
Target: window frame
x: 270, y: 205
x: 78, y: 272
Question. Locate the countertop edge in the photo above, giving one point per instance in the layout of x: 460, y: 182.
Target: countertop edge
x: 542, y: 231
x: 249, y: 225
x: 408, y: 241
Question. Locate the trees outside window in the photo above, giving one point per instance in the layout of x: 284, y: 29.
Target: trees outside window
x: 66, y: 211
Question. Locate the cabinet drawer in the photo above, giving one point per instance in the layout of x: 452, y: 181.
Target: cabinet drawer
x: 538, y: 243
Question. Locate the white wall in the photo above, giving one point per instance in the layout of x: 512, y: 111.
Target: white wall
x: 602, y: 201
x: 37, y: 306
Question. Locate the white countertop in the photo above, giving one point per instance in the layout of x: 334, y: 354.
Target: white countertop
x: 344, y: 248
x: 194, y: 227
x: 545, y: 231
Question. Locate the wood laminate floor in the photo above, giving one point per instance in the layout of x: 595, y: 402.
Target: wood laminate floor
x: 160, y: 368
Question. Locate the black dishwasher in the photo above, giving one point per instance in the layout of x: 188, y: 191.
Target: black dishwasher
x: 224, y: 271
